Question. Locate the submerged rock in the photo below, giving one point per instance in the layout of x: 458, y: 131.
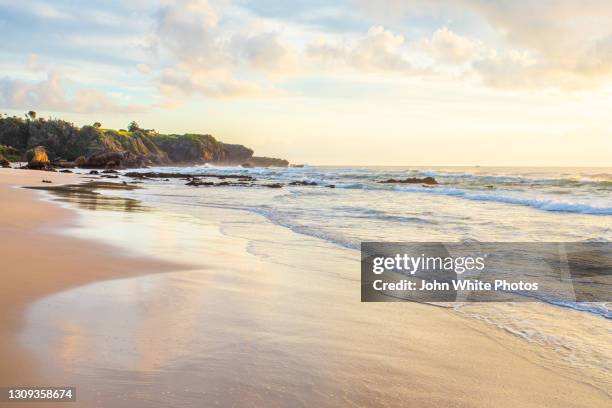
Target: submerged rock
x: 412, y: 180
x: 136, y: 174
x: 303, y: 183
x: 198, y: 183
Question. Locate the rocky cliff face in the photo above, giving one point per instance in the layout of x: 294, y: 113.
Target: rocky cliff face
x: 190, y: 148
x: 234, y: 154
x: 95, y: 147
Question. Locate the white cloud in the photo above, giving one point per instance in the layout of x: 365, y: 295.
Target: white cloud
x: 379, y: 51
x: 187, y: 28
x: 143, y: 69
x: 176, y: 84
x: 265, y: 52
x: 448, y: 47
x: 50, y: 94
x: 565, y: 38
x: 207, y: 57
x: 33, y: 64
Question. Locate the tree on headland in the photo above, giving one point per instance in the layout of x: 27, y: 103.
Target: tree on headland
x: 31, y: 115
x: 133, y: 126
x: 97, y: 125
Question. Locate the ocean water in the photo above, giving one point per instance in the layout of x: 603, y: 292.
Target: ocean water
x: 484, y: 204
x: 317, y: 229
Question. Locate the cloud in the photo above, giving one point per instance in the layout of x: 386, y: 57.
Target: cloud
x: 567, y: 40
x: 33, y: 64
x: 448, y: 47
x: 187, y: 28
x: 379, y: 51
x: 174, y: 83
x: 143, y: 68
x: 208, y: 58
x: 265, y: 52
x: 50, y: 94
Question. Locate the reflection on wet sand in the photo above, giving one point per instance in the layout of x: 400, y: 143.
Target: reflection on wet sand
x: 248, y: 330
x: 85, y: 196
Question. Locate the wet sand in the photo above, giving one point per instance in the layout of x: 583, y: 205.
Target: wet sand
x: 244, y: 329
x: 36, y: 262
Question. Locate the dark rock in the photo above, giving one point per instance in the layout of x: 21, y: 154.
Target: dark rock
x: 256, y: 161
x: 199, y: 183
x: 94, y: 172
x: 183, y: 176
x: 412, y: 180
x: 303, y: 183
x: 331, y: 186
x: 246, y: 165
x: 273, y: 185
x: 109, y: 160
x: 110, y: 171
x: 65, y: 171
x: 47, y: 181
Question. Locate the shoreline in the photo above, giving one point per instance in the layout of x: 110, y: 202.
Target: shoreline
x: 39, y: 262
x: 447, y: 360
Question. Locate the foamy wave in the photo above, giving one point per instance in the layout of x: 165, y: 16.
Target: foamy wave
x: 546, y: 205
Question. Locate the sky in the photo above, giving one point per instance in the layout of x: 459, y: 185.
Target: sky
x: 386, y: 82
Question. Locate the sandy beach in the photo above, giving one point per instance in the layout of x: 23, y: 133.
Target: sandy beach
x: 37, y: 262
x: 239, y: 330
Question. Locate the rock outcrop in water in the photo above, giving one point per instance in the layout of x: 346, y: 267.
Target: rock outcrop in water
x: 92, y: 146
x: 256, y: 161
x: 412, y: 180
x: 151, y: 174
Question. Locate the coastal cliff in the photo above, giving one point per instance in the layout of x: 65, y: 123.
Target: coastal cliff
x: 93, y: 146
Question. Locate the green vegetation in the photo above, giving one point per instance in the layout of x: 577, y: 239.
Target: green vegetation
x: 10, y: 153
x: 65, y: 141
